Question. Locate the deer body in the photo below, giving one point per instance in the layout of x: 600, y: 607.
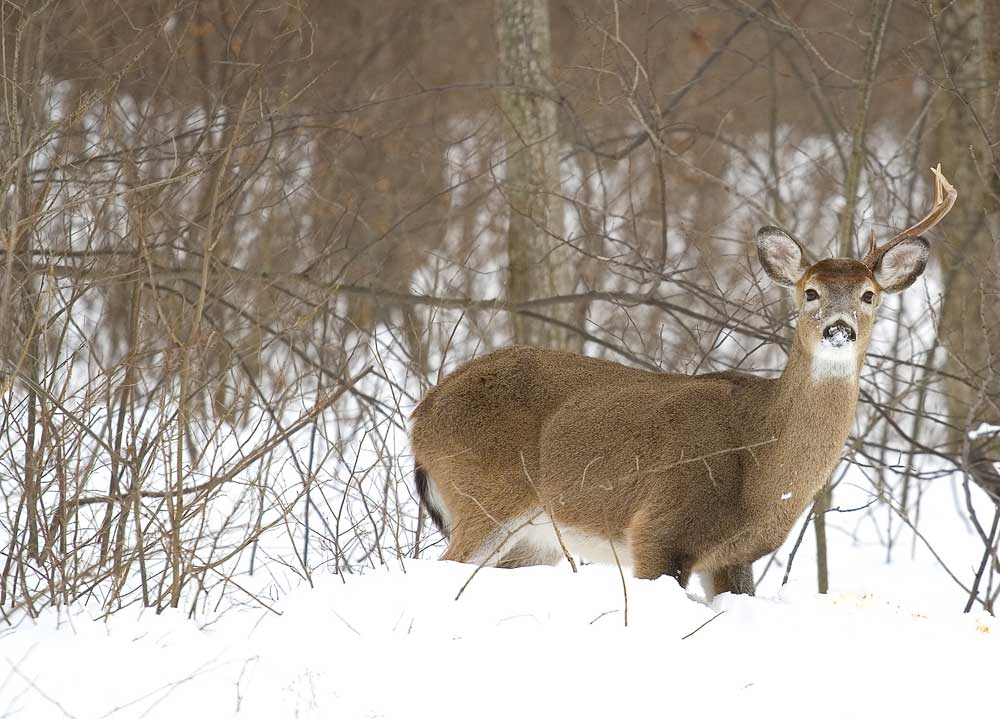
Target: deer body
x: 525, y: 454
x: 716, y: 468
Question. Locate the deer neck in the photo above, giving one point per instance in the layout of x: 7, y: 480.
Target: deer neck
x: 806, y: 419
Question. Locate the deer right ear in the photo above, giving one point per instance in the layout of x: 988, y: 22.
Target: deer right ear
x: 781, y: 256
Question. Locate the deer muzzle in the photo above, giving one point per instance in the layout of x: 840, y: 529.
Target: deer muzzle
x: 839, y: 334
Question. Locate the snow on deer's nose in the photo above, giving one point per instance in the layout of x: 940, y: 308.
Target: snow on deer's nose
x: 839, y: 333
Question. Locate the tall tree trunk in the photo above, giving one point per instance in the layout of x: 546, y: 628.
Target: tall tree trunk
x: 540, y: 261
x: 967, y: 55
x: 881, y: 10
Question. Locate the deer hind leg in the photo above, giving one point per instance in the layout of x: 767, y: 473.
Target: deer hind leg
x: 528, y: 554
x: 475, y: 541
x: 736, y: 579
x: 653, y: 556
x: 487, y: 509
x: 655, y: 550
x: 508, y: 545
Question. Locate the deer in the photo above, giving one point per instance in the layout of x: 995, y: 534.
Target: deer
x: 525, y: 455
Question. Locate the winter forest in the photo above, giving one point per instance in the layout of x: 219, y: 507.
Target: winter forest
x: 241, y: 239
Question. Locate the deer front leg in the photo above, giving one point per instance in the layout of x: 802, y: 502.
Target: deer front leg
x: 736, y: 579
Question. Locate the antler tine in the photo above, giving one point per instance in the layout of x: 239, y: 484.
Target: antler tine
x: 944, y: 199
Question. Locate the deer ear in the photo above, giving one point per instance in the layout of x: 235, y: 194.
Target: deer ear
x: 902, y: 264
x: 781, y: 256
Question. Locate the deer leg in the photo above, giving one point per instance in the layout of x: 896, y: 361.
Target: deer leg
x: 652, y: 558
x: 735, y: 579
x: 476, y: 543
x: 526, y: 555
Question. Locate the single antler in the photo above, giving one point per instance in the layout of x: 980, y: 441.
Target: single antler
x: 944, y: 198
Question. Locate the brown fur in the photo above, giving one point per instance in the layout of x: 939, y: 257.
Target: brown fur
x: 691, y: 473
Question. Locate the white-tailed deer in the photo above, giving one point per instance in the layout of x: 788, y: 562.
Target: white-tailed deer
x: 526, y: 454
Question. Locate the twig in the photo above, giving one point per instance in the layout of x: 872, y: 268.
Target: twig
x: 622, y: 575
x: 703, y: 625
x: 483, y: 563
x: 987, y: 555
x: 551, y: 515
x: 795, y: 547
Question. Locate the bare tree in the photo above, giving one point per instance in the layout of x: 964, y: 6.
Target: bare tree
x: 540, y: 260
x: 966, y: 47
x: 238, y: 244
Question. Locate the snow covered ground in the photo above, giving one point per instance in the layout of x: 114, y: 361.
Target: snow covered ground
x: 539, y: 641
x: 890, y: 639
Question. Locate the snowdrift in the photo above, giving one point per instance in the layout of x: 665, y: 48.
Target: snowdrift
x: 530, y: 642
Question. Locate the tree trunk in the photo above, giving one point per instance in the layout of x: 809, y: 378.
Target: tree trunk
x: 966, y: 44
x: 880, y: 21
x: 540, y: 261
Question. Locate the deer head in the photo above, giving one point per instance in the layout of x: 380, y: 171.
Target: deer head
x: 837, y: 297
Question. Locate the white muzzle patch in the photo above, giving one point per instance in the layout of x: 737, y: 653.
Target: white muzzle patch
x: 832, y: 361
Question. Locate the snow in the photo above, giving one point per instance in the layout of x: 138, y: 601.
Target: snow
x: 394, y: 642
x: 839, y: 336
x: 536, y: 641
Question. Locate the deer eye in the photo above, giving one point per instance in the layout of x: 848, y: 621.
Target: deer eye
x: 811, y: 295
x: 868, y: 297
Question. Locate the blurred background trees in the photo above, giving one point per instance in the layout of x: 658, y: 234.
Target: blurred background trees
x: 240, y: 239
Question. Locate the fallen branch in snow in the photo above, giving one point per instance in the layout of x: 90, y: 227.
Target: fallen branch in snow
x: 603, y: 614
x: 702, y: 625
x: 38, y: 690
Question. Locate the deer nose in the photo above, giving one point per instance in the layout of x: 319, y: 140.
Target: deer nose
x: 839, y: 334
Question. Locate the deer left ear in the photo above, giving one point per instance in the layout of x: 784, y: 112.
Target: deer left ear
x: 902, y: 264
x: 780, y: 255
